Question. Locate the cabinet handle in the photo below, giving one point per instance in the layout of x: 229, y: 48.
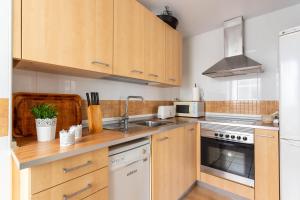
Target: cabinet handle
x: 69, y: 196
x: 67, y: 170
x: 192, y: 129
x: 136, y: 71
x: 162, y: 139
x: 172, y: 79
x: 154, y: 75
x: 100, y: 63
x: 265, y: 136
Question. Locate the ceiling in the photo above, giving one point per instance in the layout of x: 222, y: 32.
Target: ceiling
x: 198, y: 16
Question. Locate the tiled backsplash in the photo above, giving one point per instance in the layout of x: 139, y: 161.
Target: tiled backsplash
x: 116, y: 108
x: 242, y: 107
x: 3, y: 117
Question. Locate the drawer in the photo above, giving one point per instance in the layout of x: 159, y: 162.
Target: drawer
x: 100, y: 195
x: 52, y: 174
x: 78, y: 188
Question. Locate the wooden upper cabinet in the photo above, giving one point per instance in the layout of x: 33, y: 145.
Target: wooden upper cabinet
x: 155, y: 47
x: 266, y: 165
x: 173, y: 56
x: 72, y: 33
x: 129, y: 39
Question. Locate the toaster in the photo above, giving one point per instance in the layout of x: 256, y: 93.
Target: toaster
x: 165, y: 112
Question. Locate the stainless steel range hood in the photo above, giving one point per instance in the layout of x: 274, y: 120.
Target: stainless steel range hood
x: 235, y: 62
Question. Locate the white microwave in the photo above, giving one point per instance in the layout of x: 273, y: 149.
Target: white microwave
x: 189, y: 108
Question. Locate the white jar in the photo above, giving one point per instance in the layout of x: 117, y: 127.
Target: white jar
x: 77, y: 130
x: 46, y: 129
x: 66, y: 138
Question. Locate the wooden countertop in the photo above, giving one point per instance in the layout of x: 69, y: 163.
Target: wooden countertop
x: 38, y: 153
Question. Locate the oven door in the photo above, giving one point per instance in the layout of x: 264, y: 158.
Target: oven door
x: 229, y: 160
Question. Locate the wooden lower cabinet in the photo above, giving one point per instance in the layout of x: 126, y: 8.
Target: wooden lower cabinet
x: 76, y: 177
x: 266, y: 165
x: 173, y: 163
x: 100, y: 195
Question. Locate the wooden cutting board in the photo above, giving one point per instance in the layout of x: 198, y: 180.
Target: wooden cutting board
x: 68, y: 106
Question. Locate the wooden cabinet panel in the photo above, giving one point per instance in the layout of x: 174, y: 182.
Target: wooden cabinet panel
x: 161, y: 173
x: 266, y: 165
x: 155, y: 49
x: 78, y: 188
x: 72, y: 33
x: 100, y: 195
x: 173, y: 56
x: 129, y: 39
x: 67, y: 169
x: 17, y: 28
x: 171, y: 174
x: 190, y: 155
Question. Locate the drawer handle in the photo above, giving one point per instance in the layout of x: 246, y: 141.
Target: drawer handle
x: 69, y: 196
x: 172, y: 79
x: 192, y: 129
x: 265, y: 136
x: 154, y: 75
x: 163, y: 139
x: 136, y: 71
x: 100, y: 63
x: 67, y: 170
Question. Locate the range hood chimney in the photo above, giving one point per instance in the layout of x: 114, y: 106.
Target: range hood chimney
x: 235, y: 62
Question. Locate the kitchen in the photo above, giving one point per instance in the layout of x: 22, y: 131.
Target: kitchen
x: 102, y: 99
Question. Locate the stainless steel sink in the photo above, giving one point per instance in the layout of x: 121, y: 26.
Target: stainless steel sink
x: 151, y: 123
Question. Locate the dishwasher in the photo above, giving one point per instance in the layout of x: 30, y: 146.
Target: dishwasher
x: 130, y: 171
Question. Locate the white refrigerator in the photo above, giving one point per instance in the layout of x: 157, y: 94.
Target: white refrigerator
x: 289, y: 53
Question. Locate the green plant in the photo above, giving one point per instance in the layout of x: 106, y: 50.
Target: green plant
x: 44, y: 111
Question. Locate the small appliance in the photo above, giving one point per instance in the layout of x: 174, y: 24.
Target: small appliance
x: 189, y: 108
x: 165, y: 112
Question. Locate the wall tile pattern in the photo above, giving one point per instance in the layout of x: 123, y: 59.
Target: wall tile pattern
x: 242, y: 107
x: 3, y: 117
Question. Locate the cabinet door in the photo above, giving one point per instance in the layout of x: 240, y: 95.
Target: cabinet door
x: 129, y: 39
x: 155, y: 48
x: 72, y: 33
x: 161, y: 173
x: 266, y: 165
x: 173, y: 56
x: 190, y: 155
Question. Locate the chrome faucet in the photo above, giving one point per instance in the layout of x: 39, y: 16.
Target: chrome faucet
x: 125, y: 118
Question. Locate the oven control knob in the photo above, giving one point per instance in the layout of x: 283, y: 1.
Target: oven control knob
x: 216, y: 134
x: 245, y: 138
x: 221, y: 135
x: 238, y: 137
x: 233, y: 137
x: 227, y: 136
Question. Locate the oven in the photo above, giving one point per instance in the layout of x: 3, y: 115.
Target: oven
x: 228, y: 152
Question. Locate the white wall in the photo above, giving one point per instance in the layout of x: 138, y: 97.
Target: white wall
x: 5, y: 92
x: 29, y: 81
x: 261, y: 44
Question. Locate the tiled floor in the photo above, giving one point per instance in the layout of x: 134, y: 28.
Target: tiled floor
x: 199, y: 193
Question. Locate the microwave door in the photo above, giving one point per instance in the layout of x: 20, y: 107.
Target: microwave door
x: 183, y: 109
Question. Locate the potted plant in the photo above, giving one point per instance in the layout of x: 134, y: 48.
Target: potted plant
x: 168, y: 17
x: 45, y: 120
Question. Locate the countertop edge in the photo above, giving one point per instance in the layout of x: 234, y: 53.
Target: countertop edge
x: 64, y: 155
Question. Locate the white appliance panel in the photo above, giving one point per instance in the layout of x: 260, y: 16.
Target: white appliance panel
x: 289, y: 170
x: 290, y: 86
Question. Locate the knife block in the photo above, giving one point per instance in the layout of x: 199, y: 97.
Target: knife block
x: 95, y: 116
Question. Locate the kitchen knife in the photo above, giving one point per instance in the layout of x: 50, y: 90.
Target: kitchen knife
x: 88, y: 99
x: 93, y: 98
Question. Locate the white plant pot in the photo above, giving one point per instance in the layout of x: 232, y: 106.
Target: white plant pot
x: 45, y: 129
